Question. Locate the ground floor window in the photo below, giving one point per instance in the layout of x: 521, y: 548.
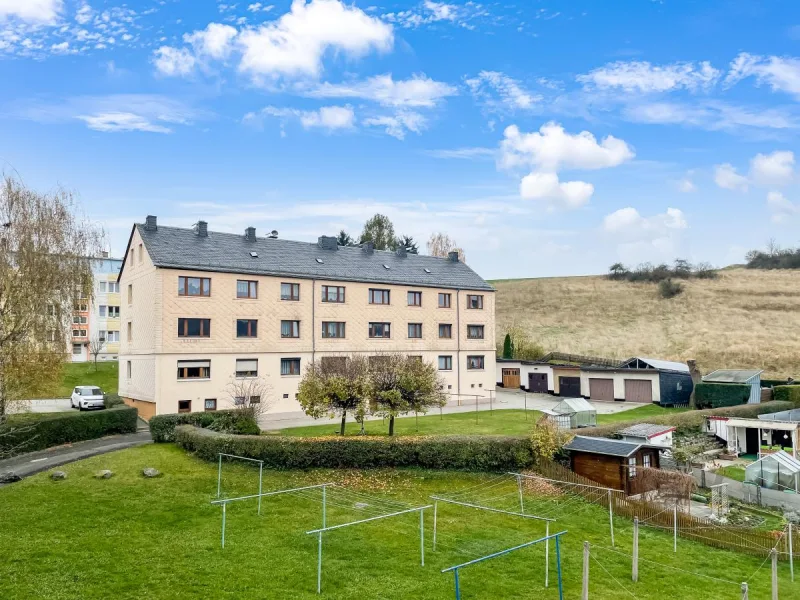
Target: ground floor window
x: 211, y: 404
x: 77, y: 348
x: 445, y: 363
x: 475, y: 362
x: 290, y: 366
x: 184, y: 406
x: 247, y: 367
x: 632, y: 467
x: 194, y: 369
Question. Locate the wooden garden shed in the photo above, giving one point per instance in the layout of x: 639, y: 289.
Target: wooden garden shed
x: 612, y: 463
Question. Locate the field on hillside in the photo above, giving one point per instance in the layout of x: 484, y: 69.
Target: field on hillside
x: 744, y: 319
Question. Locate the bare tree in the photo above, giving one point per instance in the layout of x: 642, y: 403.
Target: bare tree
x: 250, y: 396
x: 45, y: 269
x: 96, y: 345
x: 441, y: 245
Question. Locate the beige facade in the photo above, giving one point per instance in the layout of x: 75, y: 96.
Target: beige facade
x: 151, y: 347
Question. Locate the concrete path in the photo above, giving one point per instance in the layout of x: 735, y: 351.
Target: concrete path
x: 504, y: 399
x: 31, y: 463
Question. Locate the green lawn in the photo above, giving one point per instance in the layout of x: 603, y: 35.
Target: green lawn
x: 130, y: 537
x: 733, y: 472
x: 106, y: 377
x: 504, y: 421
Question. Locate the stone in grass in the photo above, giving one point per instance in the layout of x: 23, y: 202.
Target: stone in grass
x: 58, y: 475
x: 104, y: 474
x: 151, y: 472
x: 9, y: 477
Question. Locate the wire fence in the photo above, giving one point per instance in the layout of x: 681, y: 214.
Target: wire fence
x: 747, y: 540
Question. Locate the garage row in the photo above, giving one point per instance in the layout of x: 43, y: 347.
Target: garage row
x: 638, y: 379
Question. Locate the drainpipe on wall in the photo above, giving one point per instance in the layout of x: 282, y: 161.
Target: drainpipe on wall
x: 458, y: 345
x: 313, y: 319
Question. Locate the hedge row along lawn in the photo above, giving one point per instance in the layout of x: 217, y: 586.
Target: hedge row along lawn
x: 159, y: 539
x: 498, y: 422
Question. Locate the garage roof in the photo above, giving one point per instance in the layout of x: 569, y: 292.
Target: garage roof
x: 661, y: 365
x: 606, y: 446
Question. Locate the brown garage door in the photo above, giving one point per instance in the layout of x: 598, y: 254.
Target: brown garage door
x: 601, y: 389
x: 638, y: 390
x: 511, y: 379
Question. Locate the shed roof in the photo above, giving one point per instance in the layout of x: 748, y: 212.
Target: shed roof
x: 600, y: 445
x: 784, y: 415
x: 646, y: 430
x: 573, y: 405
x: 181, y: 248
x: 661, y: 365
x: 732, y: 375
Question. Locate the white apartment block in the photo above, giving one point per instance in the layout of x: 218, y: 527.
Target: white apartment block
x: 200, y: 309
x: 98, y: 318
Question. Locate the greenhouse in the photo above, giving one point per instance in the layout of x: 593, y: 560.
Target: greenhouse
x: 776, y: 471
x: 581, y: 413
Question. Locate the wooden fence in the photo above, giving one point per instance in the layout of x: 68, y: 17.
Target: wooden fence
x: 747, y: 540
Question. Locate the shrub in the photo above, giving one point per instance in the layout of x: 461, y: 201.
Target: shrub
x: 692, y: 420
x: 33, y: 431
x: 787, y: 393
x: 717, y: 395
x: 669, y: 289
x: 162, y: 427
x: 455, y: 452
x: 112, y: 400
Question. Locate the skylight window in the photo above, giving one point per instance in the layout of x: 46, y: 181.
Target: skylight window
x: 254, y: 254
x: 319, y: 260
x: 427, y: 270
x: 386, y: 266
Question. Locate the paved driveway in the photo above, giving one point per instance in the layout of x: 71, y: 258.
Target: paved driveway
x: 42, y: 406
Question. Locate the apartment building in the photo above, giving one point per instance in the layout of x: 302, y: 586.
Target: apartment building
x: 201, y: 309
x: 98, y: 318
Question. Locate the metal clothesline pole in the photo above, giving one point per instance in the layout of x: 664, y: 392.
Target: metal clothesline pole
x: 219, y: 477
x: 435, y: 511
x: 260, y: 484
x: 547, y: 555
x: 497, y: 510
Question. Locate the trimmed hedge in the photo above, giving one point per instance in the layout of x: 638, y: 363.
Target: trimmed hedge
x: 787, y: 393
x: 691, y: 420
x: 455, y: 452
x: 32, y: 431
x: 771, y: 383
x: 717, y: 395
x: 162, y: 427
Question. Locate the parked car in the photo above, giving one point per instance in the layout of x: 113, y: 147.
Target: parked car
x: 85, y: 397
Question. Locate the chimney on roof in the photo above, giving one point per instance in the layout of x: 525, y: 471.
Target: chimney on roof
x: 327, y: 242
x: 201, y: 229
x: 401, y: 251
x: 452, y: 256
x: 273, y: 235
x: 250, y: 234
x: 151, y: 223
x: 367, y: 247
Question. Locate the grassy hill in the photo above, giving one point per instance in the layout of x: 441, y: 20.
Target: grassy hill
x: 744, y: 319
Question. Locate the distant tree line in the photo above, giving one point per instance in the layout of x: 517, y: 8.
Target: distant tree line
x: 379, y: 230
x: 774, y: 257
x: 649, y: 273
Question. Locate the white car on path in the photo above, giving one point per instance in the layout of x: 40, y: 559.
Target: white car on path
x: 87, y: 396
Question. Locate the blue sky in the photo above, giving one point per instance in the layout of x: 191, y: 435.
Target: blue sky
x: 546, y: 138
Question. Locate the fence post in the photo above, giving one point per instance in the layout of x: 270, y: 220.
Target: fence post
x: 635, y: 570
x: 744, y: 591
x: 611, y: 515
x: 585, y: 589
x: 675, y: 528
x: 791, y: 557
x: 774, y: 554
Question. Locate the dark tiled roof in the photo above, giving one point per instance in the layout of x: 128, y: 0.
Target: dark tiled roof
x: 599, y: 445
x: 179, y: 248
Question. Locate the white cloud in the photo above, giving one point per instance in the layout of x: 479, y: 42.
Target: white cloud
x: 710, y: 115
x: 546, y: 186
x: 780, y: 73
x: 773, y: 169
x: 429, y: 12
x: 121, y: 121
x: 174, y: 61
x: 463, y: 153
x: 330, y: 118
x: 643, y: 77
x: 215, y: 41
x: 418, y: 91
x: 781, y: 207
x: 552, y: 149
x: 629, y: 224
x: 686, y: 186
x: 258, y: 7
x: 725, y: 176
x: 294, y: 44
x: 498, y: 91
x: 84, y: 14
x: 399, y: 124
x: 36, y: 11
